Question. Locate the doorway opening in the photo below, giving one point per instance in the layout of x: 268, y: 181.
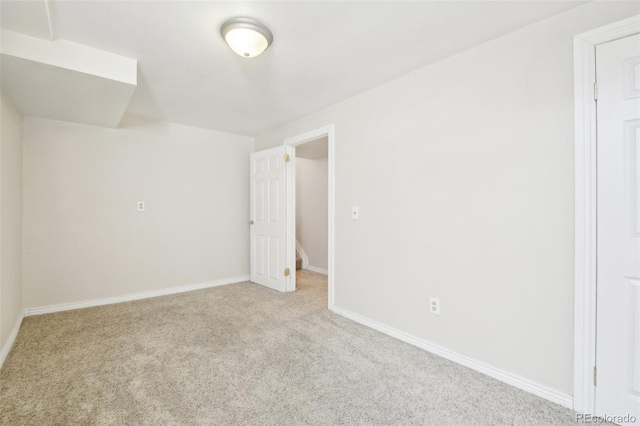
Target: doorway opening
x: 310, y: 214
x: 312, y: 207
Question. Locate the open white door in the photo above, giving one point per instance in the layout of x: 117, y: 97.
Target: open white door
x: 268, y: 218
x: 618, y: 256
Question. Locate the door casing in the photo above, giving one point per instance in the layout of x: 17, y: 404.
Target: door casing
x: 584, y: 351
x: 329, y: 132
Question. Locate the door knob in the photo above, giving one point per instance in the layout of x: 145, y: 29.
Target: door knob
x: 250, y: 222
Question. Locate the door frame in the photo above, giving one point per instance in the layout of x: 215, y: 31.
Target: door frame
x: 319, y: 132
x: 584, y: 349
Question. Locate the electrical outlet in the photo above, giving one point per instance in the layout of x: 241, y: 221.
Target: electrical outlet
x: 434, y: 306
x: 140, y: 206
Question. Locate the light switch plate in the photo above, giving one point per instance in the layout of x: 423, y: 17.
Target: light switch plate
x: 355, y: 213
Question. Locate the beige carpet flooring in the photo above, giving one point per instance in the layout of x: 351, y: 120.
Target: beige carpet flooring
x: 242, y: 355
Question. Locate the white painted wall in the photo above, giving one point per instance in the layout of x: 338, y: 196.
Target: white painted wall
x: 10, y: 220
x: 83, y: 237
x: 463, y: 172
x: 312, y: 220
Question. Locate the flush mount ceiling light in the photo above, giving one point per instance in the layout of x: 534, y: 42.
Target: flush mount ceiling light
x: 246, y: 37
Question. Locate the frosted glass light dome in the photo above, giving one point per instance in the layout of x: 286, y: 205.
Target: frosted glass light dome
x: 246, y: 37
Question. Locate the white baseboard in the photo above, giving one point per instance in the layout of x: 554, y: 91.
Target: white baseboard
x: 129, y: 297
x: 4, y: 352
x: 318, y: 270
x: 525, y: 384
x: 303, y: 255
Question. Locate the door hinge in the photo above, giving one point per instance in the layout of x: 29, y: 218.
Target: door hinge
x: 287, y: 272
x: 287, y: 158
x: 595, y: 376
x: 595, y: 91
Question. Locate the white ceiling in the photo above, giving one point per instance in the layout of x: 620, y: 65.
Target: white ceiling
x: 323, y: 51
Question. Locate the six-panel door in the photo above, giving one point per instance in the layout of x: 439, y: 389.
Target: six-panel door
x: 618, y: 254
x: 267, y: 216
